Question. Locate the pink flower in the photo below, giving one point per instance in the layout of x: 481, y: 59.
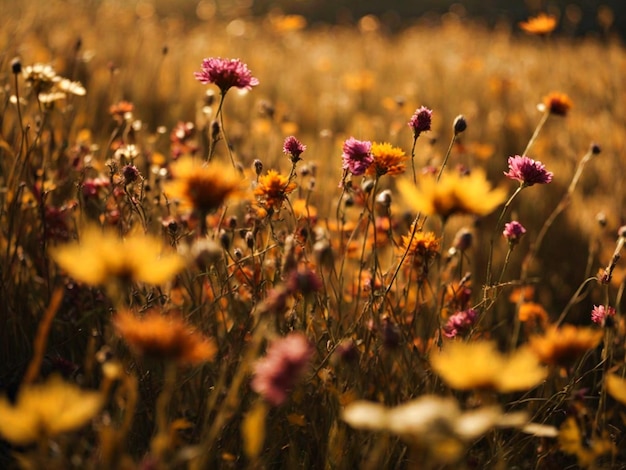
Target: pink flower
x: 357, y: 156
x: 293, y: 148
x: 513, y: 231
x: 460, y: 323
x: 226, y: 73
x: 600, y: 314
x: 421, y: 121
x: 285, y: 361
x: 528, y: 171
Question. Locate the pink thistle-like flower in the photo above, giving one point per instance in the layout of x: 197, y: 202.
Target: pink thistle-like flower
x: 285, y: 360
x: 357, y: 156
x: 513, y: 231
x: 226, y: 73
x: 460, y: 323
x: 600, y: 314
x: 528, y: 171
x: 294, y: 148
x: 421, y: 121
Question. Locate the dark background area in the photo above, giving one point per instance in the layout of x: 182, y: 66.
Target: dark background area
x: 576, y: 17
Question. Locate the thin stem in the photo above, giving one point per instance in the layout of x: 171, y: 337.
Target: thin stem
x: 445, y: 159
x: 533, y: 138
x: 413, y: 158
x: 493, y: 236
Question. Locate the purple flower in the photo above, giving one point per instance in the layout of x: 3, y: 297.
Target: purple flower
x: 226, y: 73
x: 528, y: 171
x: 460, y: 323
x: 421, y: 121
x: 357, y: 156
x: 600, y: 314
x: 285, y: 360
x: 513, y: 231
x: 293, y: 148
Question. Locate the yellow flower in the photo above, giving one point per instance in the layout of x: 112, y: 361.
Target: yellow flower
x: 168, y: 337
x: 388, y: 160
x: 562, y: 346
x: 557, y: 103
x: 101, y: 257
x: 421, y: 248
x: 453, y: 194
x: 45, y: 410
x: 540, y: 24
x: 202, y: 186
x: 587, y: 450
x: 479, y: 365
x: 272, y: 189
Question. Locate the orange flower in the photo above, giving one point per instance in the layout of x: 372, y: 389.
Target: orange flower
x: 202, y: 187
x: 388, y: 160
x: 422, y: 247
x: 540, y: 24
x: 272, y: 189
x: 167, y: 337
x: 533, y: 313
x: 562, y: 346
x: 557, y: 103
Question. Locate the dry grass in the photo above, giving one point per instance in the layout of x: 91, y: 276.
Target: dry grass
x: 311, y: 296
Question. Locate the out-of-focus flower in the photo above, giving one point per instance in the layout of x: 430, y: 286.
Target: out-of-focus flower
x: 460, y: 323
x: 121, y: 110
x: 225, y: 74
x: 453, y: 194
x: 72, y: 87
x: 357, y: 156
x: 421, y: 121
x: 41, y: 77
x: 562, y: 346
x: 285, y: 361
x: 533, y: 314
x: 434, y: 424
x: 600, y: 314
x: 182, y: 140
x: 164, y: 336
x: 557, y: 103
x: 585, y: 447
x: 303, y: 280
x: 272, y: 189
x: 101, y: 257
x: 479, y: 365
x: 616, y: 387
x: 513, y: 231
x: 388, y: 160
x: 47, y: 409
x: 294, y: 148
x: 203, y: 187
x: 421, y: 247
x: 540, y: 24
x: 528, y: 171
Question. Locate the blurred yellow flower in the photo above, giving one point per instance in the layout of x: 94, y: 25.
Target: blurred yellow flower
x: 388, y: 160
x: 166, y: 337
x: 562, y: 346
x: 586, y: 449
x: 101, y: 257
x: 452, y: 194
x: 47, y: 409
x: 540, y: 24
x: 202, y: 186
x: 431, y: 422
x: 479, y: 365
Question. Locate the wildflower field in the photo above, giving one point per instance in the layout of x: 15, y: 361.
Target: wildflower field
x: 236, y: 241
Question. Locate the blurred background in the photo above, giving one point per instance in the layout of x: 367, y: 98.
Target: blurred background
x: 577, y: 17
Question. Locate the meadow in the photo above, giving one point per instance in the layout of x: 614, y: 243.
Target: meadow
x: 232, y: 241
